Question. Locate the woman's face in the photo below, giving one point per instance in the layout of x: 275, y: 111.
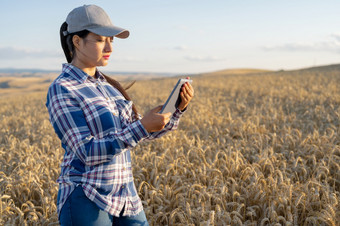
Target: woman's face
x: 94, y: 50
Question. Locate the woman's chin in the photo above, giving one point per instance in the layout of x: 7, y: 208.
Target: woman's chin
x: 102, y: 63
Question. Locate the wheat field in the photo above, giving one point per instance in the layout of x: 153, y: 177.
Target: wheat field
x: 252, y: 149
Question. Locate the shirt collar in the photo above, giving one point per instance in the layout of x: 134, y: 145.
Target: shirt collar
x: 80, y: 75
x: 100, y: 76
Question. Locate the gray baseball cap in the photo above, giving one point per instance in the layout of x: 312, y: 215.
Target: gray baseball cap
x: 94, y: 19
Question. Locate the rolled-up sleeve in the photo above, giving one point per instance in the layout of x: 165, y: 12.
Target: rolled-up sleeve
x: 170, y: 126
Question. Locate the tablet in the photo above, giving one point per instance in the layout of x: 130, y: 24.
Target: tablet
x: 174, y: 99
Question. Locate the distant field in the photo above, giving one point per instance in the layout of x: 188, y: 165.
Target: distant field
x: 252, y: 149
x: 23, y: 84
x: 14, y: 86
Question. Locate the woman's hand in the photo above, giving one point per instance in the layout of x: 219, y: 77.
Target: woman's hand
x: 154, y: 121
x: 187, y: 93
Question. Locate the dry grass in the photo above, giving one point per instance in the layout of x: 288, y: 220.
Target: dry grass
x: 251, y: 150
x: 10, y: 86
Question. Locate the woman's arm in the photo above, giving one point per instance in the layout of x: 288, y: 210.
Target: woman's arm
x: 71, y: 126
x: 171, y: 125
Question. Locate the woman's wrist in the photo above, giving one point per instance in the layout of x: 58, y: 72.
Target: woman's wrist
x: 182, y: 109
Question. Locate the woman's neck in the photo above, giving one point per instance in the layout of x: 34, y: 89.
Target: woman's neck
x: 87, y: 69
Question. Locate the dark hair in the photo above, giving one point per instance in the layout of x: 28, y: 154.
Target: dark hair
x: 69, y: 51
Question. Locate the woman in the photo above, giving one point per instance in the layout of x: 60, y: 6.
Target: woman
x: 97, y: 124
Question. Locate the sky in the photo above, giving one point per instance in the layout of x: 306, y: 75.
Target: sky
x: 181, y: 36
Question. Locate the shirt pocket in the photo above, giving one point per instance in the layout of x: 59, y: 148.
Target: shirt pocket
x: 125, y: 110
x: 101, y: 117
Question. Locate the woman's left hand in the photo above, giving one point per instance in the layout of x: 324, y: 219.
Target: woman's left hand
x: 187, y: 93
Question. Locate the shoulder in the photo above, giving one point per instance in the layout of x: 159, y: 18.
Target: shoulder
x: 63, y: 83
x: 61, y: 91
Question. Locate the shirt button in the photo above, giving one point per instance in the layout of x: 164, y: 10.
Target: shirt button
x: 123, y: 186
x: 97, y: 84
x: 107, y: 98
x: 124, y: 168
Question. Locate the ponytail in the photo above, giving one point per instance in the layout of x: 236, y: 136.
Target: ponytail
x: 69, y: 51
x: 66, y: 41
x: 64, y: 44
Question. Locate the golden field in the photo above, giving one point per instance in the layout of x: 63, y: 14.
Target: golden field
x: 252, y: 149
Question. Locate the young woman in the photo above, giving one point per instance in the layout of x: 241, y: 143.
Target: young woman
x: 98, y: 124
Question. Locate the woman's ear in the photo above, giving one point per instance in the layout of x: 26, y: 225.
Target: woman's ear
x: 76, y: 41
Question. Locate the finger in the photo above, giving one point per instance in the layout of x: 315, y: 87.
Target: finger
x: 183, y: 91
x: 184, y: 98
x: 167, y: 116
x: 186, y: 87
x: 188, y: 96
x: 191, y: 93
x: 189, y: 87
x: 166, y: 121
x: 191, y: 90
x: 188, y: 91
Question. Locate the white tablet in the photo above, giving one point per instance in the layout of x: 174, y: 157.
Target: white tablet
x: 174, y: 99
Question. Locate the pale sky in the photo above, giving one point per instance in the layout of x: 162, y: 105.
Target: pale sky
x: 181, y: 36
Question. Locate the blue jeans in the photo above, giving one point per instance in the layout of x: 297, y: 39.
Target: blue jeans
x: 79, y: 210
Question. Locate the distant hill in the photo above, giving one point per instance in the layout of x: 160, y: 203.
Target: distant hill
x: 25, y: 70
x: 26, y: 73
x: 236, y: 71
x: 22, y: 73
x: 325, y: 68
x: 122, y: 76
x: 34, y: 80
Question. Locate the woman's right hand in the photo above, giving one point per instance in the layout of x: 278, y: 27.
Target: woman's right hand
x: 154, y: 121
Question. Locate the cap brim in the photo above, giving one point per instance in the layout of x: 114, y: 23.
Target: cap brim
x: 110, y: 31
x: 123, y: 34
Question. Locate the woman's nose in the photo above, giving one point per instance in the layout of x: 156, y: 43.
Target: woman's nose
x: 108, y: 47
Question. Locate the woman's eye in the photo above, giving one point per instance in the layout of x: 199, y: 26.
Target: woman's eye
x: 99, y: 40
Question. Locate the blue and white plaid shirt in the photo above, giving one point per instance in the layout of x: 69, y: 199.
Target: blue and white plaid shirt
x: 95, y: 125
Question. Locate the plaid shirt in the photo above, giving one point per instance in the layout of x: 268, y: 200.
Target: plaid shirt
x: 95, y: 125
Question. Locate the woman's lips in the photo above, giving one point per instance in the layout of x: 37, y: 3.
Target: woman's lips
x: 106, y: 57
